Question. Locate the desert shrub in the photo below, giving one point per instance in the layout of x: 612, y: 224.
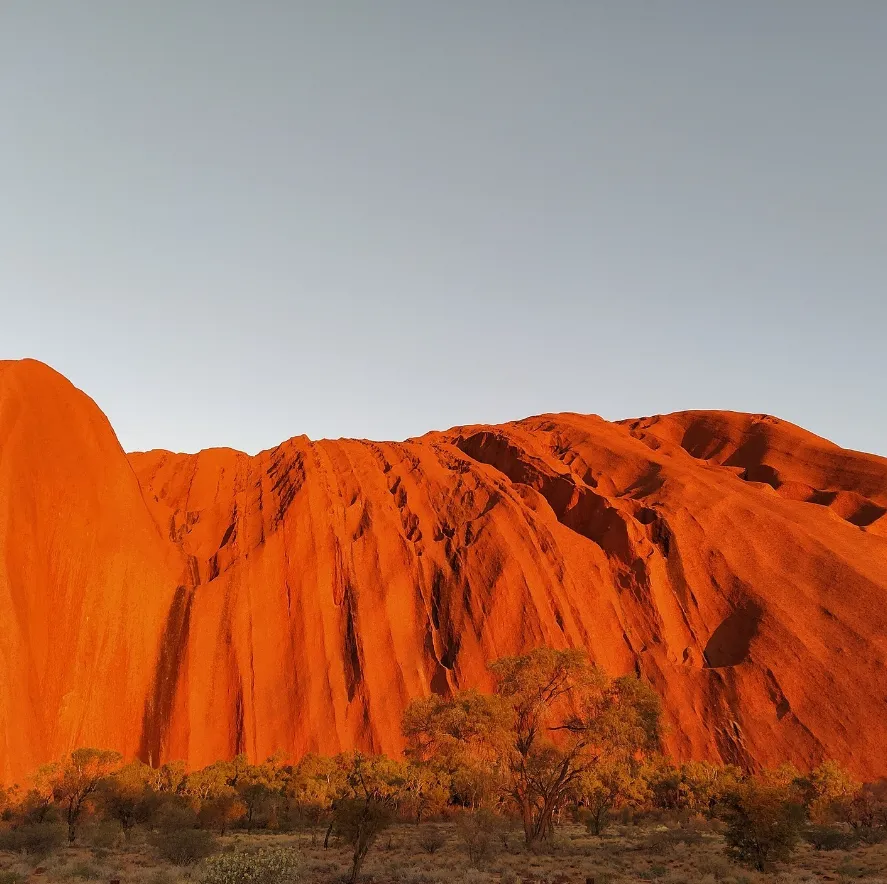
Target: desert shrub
x: 716, y: 867
x: 866, y: 809
x: 11, y: 877
x: 477, y: 831
x: 84, y: 871
x: 35, y: 808
x: 509, y: 833
x: 173, y: 813
x: 764, y: 823
x: 308, y: 816
x: 34, y: 839
x: 663, y: 781
x: 221, y: 812
x: 627, y: 816
x: 268, y: 866
x: 431, y: 838
x: 184, y: 847
x: 102, y: 835
x: 261, y: 805
x: 595, y: 818
x: 664, y: 841
x: 850, y: 869
x: 704, y: 786
x: 829, y: 838
x: 875, y: 835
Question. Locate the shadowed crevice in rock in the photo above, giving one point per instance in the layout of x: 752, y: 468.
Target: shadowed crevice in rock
x: 730, y: 642
x: 170, y: 661
x: 351, y: 660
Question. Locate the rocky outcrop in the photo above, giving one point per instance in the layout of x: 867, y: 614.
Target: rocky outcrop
x: 197, y: 606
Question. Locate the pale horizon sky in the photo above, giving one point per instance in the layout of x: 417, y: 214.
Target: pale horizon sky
x: 235, y: 222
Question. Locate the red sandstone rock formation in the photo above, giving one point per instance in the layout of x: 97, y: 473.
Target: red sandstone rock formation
x: 197, y: 606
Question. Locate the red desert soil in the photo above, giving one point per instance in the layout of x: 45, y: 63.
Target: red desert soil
x: 198, y: 606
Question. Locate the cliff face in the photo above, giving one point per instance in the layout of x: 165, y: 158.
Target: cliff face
x: 86, y: 579
x: 196, y: 606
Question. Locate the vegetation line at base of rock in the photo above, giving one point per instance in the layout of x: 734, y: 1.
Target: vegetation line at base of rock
x: 558, y: 742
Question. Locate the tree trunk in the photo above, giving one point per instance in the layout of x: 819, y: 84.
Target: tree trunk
x: 527, y: 819
x: 541, y: 829
x: 360, y: 852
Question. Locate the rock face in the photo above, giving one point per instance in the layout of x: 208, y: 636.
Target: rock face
x: 198, y: 606
x: 86, y: 578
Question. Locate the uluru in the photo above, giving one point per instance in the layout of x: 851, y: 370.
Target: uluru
x: 198, y: 606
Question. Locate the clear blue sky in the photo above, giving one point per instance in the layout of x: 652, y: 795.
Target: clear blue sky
x: 234, y: 222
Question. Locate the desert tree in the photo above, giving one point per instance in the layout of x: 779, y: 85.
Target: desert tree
x: 209, y: 782
x: 261, y: 788
x: 311, y: 790
x: 828, y: 789
x: 9, y: 798
x: 601, y: 786
x: 75, y: 781
x: 127, y: 795
x: 552, y: 718
x: 567, y: 716
x: 764, y: 821
x: 221, y: 811
x: 867, y: 809
x: 168, y: 778
x: 426, y: 790
x: 360, y: 818
x: 705, y: 786
x: 459, y: 741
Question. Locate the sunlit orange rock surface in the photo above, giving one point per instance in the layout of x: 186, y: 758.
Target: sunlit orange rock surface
x: 198, y: 606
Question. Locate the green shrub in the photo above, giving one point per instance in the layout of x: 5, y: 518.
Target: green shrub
x: 829, y: 838
x: 268, y: 866
x: 34, y: 839
x: 184, y: 847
